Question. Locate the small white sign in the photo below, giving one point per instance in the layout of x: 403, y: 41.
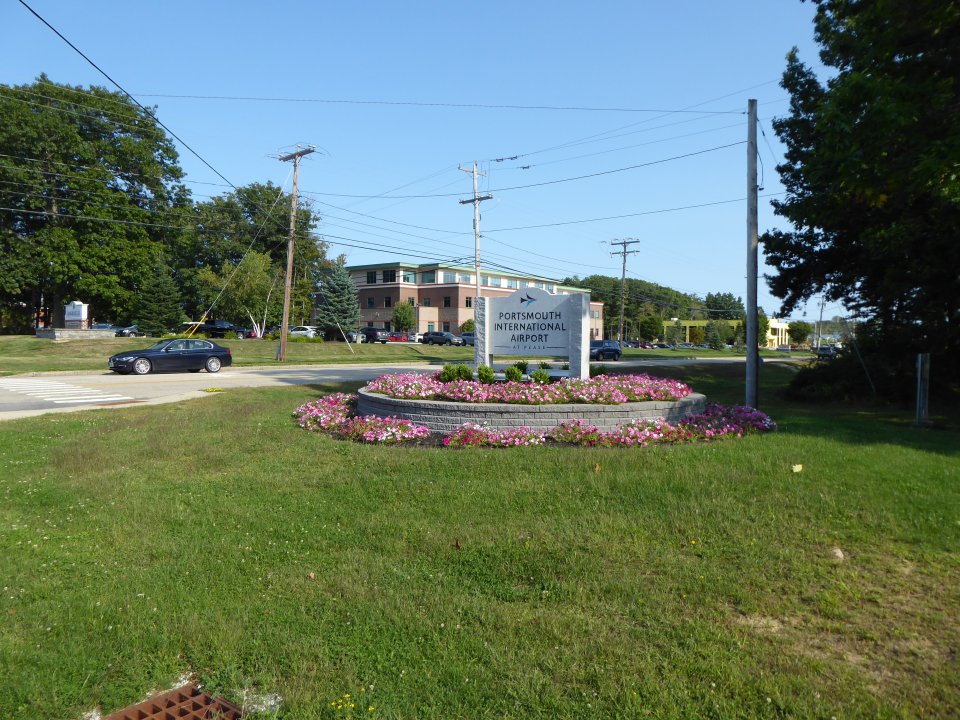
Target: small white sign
x: 75, y: 311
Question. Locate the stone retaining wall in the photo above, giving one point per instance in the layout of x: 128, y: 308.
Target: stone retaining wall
x: 61, y: 334
x: 448, y: 416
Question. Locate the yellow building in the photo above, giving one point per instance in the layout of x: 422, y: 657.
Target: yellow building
x: 777, y: 330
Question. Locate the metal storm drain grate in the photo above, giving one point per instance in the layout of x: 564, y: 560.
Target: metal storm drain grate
x: 184, y: 703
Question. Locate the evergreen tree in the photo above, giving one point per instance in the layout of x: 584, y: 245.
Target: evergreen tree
x: 159, y: 307
x: 337, y: 300
x: 403, y: 318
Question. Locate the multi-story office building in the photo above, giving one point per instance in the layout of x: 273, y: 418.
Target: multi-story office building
x: 442, y: 295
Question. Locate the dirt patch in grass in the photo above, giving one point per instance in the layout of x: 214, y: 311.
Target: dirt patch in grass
x: 884, y: 618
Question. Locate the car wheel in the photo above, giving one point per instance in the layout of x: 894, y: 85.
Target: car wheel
x: 141, y: 366
x: 449, y: 343
x: 213, y: 364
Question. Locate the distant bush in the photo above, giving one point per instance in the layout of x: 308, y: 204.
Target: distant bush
x: 522, y: 366
x: 544, y: 365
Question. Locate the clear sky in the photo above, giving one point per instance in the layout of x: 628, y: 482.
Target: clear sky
x: 397, y: 95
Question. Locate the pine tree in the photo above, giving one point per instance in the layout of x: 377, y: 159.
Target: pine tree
x: 338, y: 304
x: 160, y: 310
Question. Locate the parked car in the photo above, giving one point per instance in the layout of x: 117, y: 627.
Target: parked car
x: 307, y: 331
x: 355, y: 336
x: 129, y: 331
x: 827, y: 352
x: 604, y: 350
x: 171, y: 355
x: 441, y: 338
x: 373, y: 335
x: 214, y: 329
x: 468, y: 338
x: 414, y: 337
x: 398, y: 337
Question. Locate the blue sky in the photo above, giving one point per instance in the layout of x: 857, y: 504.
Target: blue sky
x: 382, y: 90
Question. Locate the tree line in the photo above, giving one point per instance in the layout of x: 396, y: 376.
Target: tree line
x: 93, y: 206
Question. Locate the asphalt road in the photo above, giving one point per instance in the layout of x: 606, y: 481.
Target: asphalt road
x: 41, y: 393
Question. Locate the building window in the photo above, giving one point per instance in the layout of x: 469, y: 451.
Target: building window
x: 411, y: 301
x: 386, y: 325
x: 449, y: 277
x: 465, y: 278
x: 446, y: 327
x: 429, y: 276
x: 426, y: 302
x: 388, y: 301
x: 494, y: 282
x: 430, y: 327
x: 369, y: 302
x: 372, y: 277
x: 389, y: 276
x: 549, y: 287
x: 538, y: 285
x: 410, y: 276
x: 524, y: 283
x: 485, y: 280
x: 511, y: 283
x: 469, y: 302
x: 446, y: 301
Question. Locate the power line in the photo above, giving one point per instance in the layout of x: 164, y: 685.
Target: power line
x: 547, y: 182
x: 627, y: 215
x: 413, y: 103
x: 124, y: 91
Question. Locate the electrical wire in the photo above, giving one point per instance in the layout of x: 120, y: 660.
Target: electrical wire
x: 547, y: 182
x: 411, y: 103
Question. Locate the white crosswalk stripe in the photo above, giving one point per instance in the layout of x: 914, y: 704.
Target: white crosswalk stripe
x: 58, y: 392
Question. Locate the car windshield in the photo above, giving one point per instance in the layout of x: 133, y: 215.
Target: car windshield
x: 596, y: 343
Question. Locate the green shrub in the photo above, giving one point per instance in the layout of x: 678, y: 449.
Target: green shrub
x: 453, y: 372
x: 599, y: 370
x: 544, y: 365
x: 522, y: 366
x: 541, y: 376
x: 485, y: 374
x: 513, y: 373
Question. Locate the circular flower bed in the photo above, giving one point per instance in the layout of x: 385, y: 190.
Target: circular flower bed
x: 600, y: 390
x: 336, y: 414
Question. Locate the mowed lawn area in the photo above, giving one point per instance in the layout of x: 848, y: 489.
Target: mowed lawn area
x: 216, y: 538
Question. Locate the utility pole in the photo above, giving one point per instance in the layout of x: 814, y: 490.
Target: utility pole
x: 477, y: 199
x: 285, y: 322
x: 623, y: 278
x: 753, y: 352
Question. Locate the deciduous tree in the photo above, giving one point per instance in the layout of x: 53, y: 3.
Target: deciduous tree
x: 871, y: 172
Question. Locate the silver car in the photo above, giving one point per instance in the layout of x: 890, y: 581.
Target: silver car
x: 307, y: 331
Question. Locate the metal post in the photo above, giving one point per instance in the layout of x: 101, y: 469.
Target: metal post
x: 923, y: 388
x: 753, y: 352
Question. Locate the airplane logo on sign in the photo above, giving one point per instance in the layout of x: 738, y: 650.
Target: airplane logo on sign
x: 529, y: 300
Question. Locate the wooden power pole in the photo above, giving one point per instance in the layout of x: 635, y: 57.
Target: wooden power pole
x: 623, y: 278
x: 287, y: 286
x: 477, y: 199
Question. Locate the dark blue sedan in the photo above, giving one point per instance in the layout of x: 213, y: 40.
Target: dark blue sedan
x: 172, y: 355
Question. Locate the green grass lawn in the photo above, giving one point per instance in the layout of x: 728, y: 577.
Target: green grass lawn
x: 215, y: 537
x: 22, y: 353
